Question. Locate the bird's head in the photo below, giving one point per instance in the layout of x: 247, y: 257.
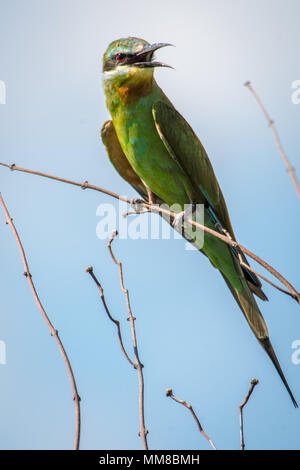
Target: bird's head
x: 130, y: 62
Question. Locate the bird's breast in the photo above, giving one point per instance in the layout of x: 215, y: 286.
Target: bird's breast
x: 147, y: 154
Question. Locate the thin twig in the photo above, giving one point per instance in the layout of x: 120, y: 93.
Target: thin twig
x: 169, y: 393
x: 159, y: 210
x: 84, y: 185
x: 271, y: 123
x: 138, y: 365
x: 116, y: 322
x: 253, y: 383
x: 265, y: 279
x: 53, y: 331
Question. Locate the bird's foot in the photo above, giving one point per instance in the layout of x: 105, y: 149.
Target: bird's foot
x: 137, y: 205
x: 182, y: 216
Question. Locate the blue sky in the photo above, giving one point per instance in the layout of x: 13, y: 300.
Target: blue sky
x: 192, y: 335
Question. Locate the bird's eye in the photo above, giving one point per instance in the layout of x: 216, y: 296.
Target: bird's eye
x: 121, y: 57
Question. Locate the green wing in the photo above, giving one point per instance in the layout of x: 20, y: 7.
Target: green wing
x: 186, y: 149
x: 191, y: 157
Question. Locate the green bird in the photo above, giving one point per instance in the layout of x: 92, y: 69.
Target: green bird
x: 156, y: 151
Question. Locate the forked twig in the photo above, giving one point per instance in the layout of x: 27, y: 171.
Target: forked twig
x: 138, y: 365
x: 253, y: 383
x: 266, y: 279
x: 169, y: 393
x: 160, y: 210
x: 271, y: 123
x: 53, y: 331
x: 90, y: 271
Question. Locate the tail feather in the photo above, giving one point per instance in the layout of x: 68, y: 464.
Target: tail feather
x: 249, y: 307
x: 256, y: 322
x: 266, y: 344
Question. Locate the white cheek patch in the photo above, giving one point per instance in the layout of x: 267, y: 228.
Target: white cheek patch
x: 118, y: 70
x: 126, y: 73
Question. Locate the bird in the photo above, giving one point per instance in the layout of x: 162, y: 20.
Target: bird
x: 155, y: 150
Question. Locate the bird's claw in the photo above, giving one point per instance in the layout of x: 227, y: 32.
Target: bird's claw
x: 178, y: 221
x: 137, y: 204
x: 182, y: 216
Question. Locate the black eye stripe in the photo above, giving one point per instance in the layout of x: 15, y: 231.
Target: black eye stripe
x: 120, y: 56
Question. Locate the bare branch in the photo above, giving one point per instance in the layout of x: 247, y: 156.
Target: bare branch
x: 271, y: 123
x: 169, y: 393
x: 266, y: 279
x: 138, y: 365
x: 84, y: 185
x: 53, y: 331
x: 253, y: 383
x: 116, y: 322
x: 159, y: 210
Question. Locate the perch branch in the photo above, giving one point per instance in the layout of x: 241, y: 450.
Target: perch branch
x: 53, y: 331
x: 271, y: 123
x: 253, y: 383
x: 90, y: 271
x: 169, y: 393
x: 266, y: 279
x: 138, y: 365
x: 159, y: 210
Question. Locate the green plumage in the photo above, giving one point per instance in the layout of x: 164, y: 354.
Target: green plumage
x: 154, y: 148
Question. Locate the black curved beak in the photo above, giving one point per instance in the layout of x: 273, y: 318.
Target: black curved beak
x: 143, y: 59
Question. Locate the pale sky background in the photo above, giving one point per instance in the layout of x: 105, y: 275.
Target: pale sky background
x: 192, y: 335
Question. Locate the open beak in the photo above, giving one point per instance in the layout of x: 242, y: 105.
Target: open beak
x: 143, y: 58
